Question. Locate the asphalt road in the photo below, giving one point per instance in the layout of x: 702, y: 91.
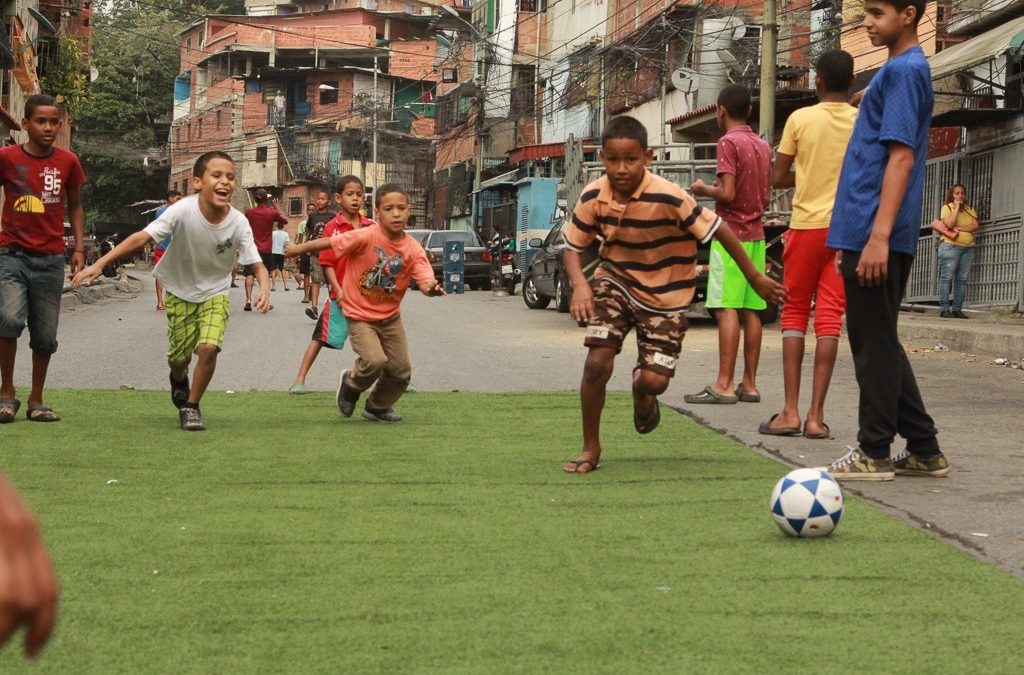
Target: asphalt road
x: 480, y: 342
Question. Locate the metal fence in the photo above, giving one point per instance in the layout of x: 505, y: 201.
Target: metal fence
x: 997, y: 276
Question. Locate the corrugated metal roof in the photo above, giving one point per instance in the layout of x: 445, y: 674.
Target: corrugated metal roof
x: 978, y: 49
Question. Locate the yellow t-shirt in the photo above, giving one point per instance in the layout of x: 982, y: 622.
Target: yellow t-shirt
x: 817, y: 137
x: 963, y: 219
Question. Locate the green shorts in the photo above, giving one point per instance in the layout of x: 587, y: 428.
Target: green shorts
x: 190, y: 324
x: 727, y: 287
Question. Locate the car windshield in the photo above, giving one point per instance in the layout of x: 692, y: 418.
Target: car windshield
x: 438, y: 239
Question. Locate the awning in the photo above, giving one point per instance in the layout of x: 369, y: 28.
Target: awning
x: 973, y: 118
x: 505, y: 180
x: 539, y: 151
x: 979, y: 49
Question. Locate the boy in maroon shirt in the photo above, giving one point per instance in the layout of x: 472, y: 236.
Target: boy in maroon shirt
x: 262, y: 218
x: 36, y: 177
x: 741, y: 196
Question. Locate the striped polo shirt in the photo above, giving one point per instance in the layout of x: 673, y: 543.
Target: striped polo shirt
x: 650, y: 243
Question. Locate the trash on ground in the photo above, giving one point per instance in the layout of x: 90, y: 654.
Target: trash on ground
x: 113, y: 481
x: 941, y: 348
x: 979, y: 534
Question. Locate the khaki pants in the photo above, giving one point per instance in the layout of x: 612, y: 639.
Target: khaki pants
x: 383, y: 358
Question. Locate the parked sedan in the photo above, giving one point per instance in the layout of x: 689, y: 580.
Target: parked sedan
x: 418, y: 235
x: 545, y: 278
x: 478, y: 259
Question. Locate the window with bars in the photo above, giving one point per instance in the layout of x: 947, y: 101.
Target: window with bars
x: 261, y: 154
x: 295, y: 206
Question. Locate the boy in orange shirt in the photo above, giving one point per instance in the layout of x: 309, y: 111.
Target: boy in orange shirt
x: 382, y: 261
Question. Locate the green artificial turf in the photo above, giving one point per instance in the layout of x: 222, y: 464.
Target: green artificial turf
x: 286, y: 539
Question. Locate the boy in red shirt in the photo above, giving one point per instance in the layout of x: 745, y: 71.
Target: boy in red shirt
x: 383, y: 259
x: 262, y: 219
x: 331, y: 327
x: 37, y: 177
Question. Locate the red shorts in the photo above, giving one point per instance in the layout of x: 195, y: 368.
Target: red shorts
x: 810, y: 278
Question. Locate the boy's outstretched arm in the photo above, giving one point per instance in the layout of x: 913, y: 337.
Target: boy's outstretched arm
x: 768, y: 289
x: 872, y: 269
x: 292, y: 250
x: 582, y: 306
x: 133, y: 243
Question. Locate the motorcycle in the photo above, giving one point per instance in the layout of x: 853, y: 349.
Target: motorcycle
x: 106, y: 246
x: 503, y: 256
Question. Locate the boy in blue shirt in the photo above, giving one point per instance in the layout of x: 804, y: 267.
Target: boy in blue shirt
x: 875, y: 229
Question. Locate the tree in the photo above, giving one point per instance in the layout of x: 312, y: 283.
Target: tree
x: 127, y: 113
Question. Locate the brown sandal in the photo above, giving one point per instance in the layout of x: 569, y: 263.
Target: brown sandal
x: 41, y: 413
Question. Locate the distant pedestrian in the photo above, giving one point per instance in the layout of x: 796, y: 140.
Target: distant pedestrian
x: 382, y: 261
x: 158, y: 248
x: 645, y: 278
x: 196, y: 271
x: 262, y: 218
x: 958, y: 221
x: 277, y: 257
x: 37, y: 178
x: 331, y: 329
x: 315, y: 224
x: 301, y: 276
x: 741, y: 196
x: 875, y: 227
x: 815, y: 138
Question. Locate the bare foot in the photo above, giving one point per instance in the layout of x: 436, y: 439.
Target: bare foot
x: 783, y: 421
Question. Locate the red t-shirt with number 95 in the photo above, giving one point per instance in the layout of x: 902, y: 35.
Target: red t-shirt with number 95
x: 35, y: 190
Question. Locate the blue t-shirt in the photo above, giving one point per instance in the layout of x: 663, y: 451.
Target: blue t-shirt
x: 896, y: 108
x: 161, y: 245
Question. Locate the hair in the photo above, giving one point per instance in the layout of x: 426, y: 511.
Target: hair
x: 386, y: 189
x: 735, y: 98
x: 345, y: 180
x: 628, y: 128
x: 835, y: 70
x: 173, y: 193
x: 280, y: 226
x: 901, y: 5
x: 949, y: 194
x: 39, y: 101
x: 199, y: 168
x: 310, y: 205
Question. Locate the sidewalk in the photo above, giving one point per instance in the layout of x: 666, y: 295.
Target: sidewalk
x: 985, y: 333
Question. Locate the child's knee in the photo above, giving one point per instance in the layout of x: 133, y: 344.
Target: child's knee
x: 650, y: 382
x: 598, y: 367
x: 207, y: 351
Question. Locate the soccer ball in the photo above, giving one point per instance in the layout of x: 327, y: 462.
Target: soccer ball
x: 807, y: 503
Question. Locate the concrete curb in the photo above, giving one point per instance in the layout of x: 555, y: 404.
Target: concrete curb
x: 73, y: 298
x: 981, y: 335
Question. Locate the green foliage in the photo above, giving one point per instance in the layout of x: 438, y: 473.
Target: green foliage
x: 66, y: 75
x: 287, y: 539
x: 128, y: 110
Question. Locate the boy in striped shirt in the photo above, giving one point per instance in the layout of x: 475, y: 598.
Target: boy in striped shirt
x: 645, y: 279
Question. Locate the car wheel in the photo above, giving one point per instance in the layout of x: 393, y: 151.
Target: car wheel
x: 562, y: 298
x: 531, y: 297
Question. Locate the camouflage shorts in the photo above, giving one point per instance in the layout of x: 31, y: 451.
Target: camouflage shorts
x: 659, y: 337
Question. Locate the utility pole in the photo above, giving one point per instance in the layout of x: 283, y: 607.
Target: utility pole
x: 769, y: 44
x: 375, y: 125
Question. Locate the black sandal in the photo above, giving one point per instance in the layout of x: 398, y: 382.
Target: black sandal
x: 41, y: 413
x: 649, y: 423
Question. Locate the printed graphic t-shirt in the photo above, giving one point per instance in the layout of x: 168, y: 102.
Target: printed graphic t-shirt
x: 378, y: 272
x: 199, y: 264
x: 34, y: 189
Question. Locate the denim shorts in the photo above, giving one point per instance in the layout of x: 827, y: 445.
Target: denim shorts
x: 30, y: 293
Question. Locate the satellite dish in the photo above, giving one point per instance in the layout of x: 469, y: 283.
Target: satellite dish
x: 41, y: 20
x: 728, y: 59
x: 94, y: 74
x: 686, y: 80
x: 739, y: 32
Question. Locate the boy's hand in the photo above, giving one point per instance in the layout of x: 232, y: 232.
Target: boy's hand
x: 86, y: 275
x: 769, y: 289
x: 582, y: 306
x: 77, y: 262
x: 262, y: 301
x: 873, y: 267
x: 698, y: 188
x: 336, y: 289
x: 291, y: 250
x: 433, y: 291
